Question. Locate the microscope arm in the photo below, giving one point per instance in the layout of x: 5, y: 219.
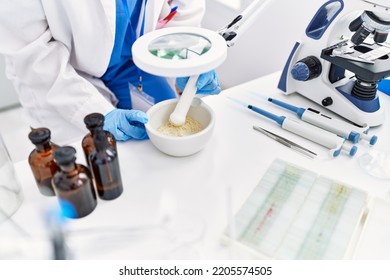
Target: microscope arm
x: 242, y: 22
x: 366, y: 24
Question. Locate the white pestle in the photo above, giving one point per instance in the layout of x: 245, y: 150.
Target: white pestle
x: 178, y: 116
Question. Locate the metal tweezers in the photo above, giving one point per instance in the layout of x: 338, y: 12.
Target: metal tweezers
x: 286, y: 142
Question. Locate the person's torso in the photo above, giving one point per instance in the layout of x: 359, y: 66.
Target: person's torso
x: 87, y: 29
x: 122, y: 76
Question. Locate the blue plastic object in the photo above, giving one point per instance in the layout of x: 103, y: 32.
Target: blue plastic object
x: 207, y: 83
x: 354, y: 137
x: 278, y: 119
x: 353, y: 151
x: 384, y: 86
x: 323, y: 18
x: 300, y: 71
x: 282, y: 85
x: 368, y: 106
x: 373, y: 140
x: 126, y: 124
x: 336, y: 153
x: 290, y: 107
x: 67, y: 210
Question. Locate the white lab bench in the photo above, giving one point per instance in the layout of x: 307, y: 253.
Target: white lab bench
x: 179, y: 207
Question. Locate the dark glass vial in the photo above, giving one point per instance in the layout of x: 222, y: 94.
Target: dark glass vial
x: 94, y: 122
x: 73, y: 184
x: 41, y: 160
x: 105, y: 168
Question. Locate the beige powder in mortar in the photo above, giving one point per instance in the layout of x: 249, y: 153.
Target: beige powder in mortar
x: 190, y: 127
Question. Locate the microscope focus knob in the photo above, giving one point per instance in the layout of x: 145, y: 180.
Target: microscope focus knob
x: 306, y: 69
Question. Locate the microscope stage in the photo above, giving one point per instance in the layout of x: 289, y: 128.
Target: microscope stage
x: 379, y: 70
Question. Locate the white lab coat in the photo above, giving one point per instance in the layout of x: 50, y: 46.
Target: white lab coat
x: 56, y: 49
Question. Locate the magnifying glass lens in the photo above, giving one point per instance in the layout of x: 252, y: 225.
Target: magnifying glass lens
x: 179, y: 46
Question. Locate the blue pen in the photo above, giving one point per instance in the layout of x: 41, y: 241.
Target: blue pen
x: 170, y: 15
x: 337, y: 126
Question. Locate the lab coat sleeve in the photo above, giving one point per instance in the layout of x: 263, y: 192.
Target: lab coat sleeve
x: 39, y: 66
x: 190, y: 13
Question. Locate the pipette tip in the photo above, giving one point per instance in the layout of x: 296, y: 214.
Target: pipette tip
x: 258, y: 95
x: 237, y: 101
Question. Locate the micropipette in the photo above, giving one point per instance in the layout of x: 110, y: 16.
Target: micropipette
x: 339, y: 127
x: 313, y: 133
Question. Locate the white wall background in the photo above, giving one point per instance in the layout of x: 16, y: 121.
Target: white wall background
x: 265, y: 47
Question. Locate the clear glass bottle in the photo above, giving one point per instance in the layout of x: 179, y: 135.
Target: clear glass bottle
x: 11, y: 194
x: 41, y: 160
x: 73, y: 184
x: 94, y: 122
x: 105, y: 168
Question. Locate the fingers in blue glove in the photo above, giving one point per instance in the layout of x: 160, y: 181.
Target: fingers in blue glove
x: 126, y: 124
x: 207, y: 83
x: 134, y: 124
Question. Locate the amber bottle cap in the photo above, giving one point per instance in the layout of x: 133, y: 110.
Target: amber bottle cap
x: 65, y: 155
x: 39, y: 135
x: 94, y: 120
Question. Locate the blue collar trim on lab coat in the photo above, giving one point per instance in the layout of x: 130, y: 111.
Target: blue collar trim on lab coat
x: 121, y: 65
x: 121, y: 70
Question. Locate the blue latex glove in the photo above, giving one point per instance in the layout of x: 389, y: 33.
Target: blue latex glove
x: 207, y: 83
x: 126, y: 124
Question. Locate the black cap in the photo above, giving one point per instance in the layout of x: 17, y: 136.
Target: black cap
x: 94, y: 120
x: 65, y: 155
x: 39, y: 135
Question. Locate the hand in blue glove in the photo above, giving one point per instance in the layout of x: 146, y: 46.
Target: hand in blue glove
x: 126, y: 124
x: 207, y: 83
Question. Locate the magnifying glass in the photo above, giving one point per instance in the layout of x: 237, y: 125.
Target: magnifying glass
x: 180, y: 52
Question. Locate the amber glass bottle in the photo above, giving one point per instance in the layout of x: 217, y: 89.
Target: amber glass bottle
x: 73, y: 184
x: 94, y: 122
x: 105, y: 168
x: 41, y: 160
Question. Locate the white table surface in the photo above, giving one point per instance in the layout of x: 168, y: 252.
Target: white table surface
x: 179, y: 207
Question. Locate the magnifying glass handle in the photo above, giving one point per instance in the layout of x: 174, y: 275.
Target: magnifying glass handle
x: 178, y: 116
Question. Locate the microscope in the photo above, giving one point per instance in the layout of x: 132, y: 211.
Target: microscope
x: 341, y: 58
